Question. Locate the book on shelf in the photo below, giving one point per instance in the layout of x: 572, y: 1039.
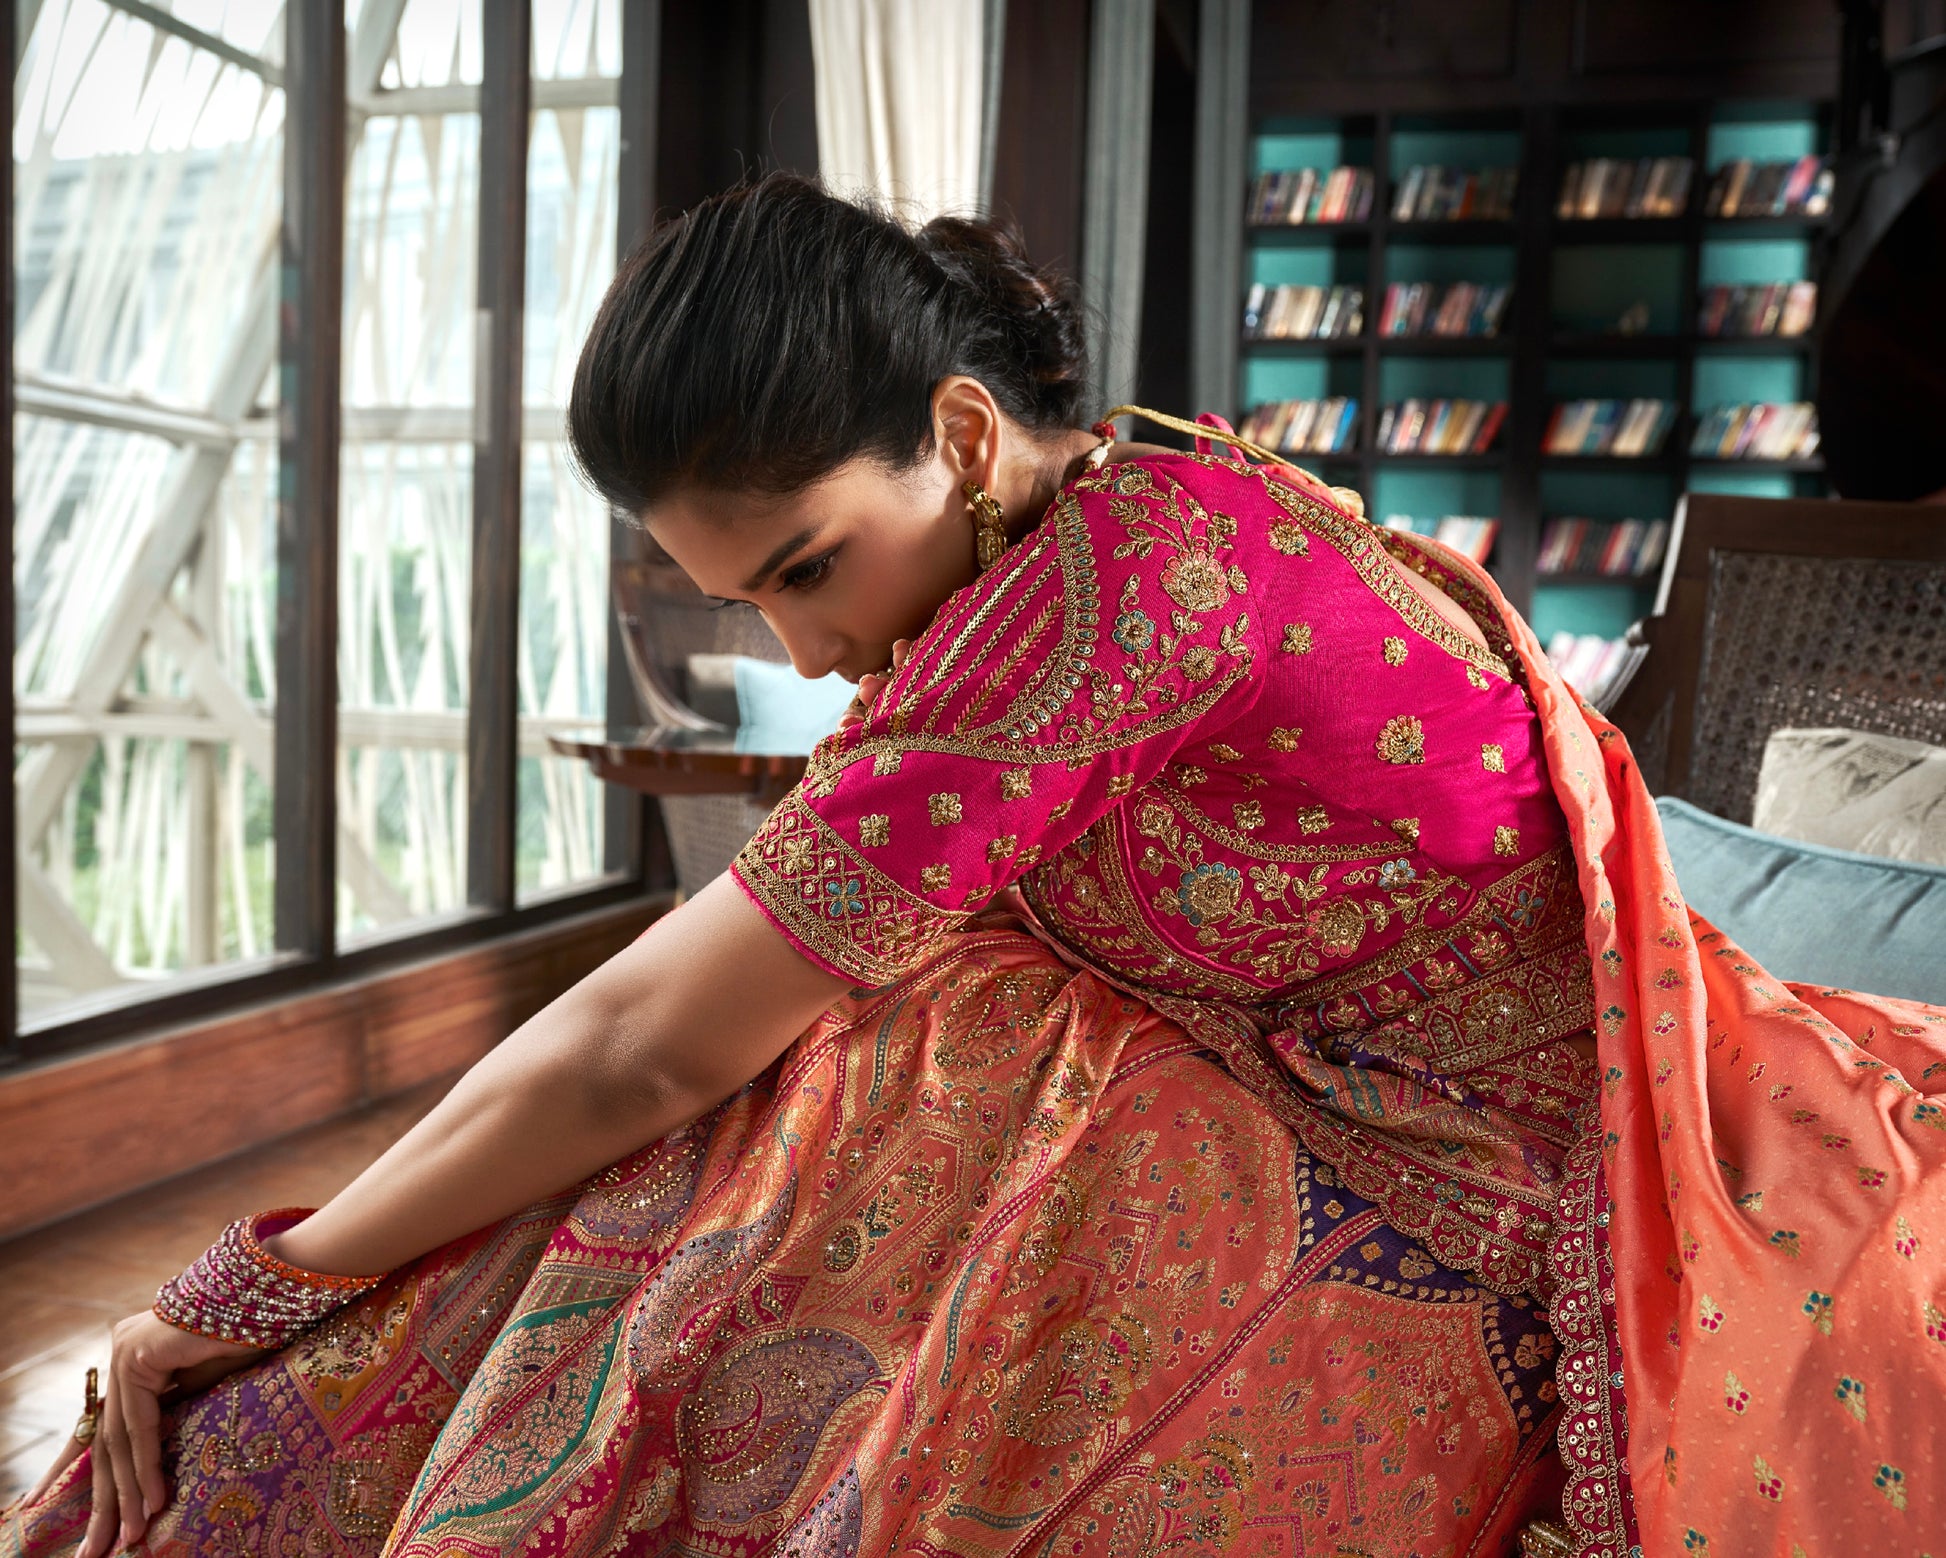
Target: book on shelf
x: 1296, y: 313
x: 1763, y: 430
x: 1460, y: 308
x: 1744, y: 188
x: 1469, y: 534
x: 1620, y: 549
x: 1587, y: 662
x: 1630, y: 429
x: 1432, y: 193
x: 1778, y: 308
x: 1440, y: 426
x: 1289, y: 197
x: 1304, y: 426
x: 1611, y: 187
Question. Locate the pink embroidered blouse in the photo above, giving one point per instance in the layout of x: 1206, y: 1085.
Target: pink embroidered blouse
x: 1236, y: 764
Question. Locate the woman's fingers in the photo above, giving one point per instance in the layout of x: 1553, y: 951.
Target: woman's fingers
x: 142, y: 1420
x: 900, y: 649
x: 121, y: 1457
x: 100, y: 1537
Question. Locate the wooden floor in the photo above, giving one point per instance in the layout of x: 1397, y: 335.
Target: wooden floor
x: 61, y: 1288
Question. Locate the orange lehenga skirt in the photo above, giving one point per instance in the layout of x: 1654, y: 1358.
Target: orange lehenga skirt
x: 999, y: 1259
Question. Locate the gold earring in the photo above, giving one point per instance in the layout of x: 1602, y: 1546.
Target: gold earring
x: 989, y: 525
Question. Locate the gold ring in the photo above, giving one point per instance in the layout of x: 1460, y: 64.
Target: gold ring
x: 90, y: 1420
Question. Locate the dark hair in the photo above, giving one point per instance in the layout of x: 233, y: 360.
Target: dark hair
x: 774, y: 332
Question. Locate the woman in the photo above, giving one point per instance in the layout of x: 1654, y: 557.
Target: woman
x: 1211, y: 1057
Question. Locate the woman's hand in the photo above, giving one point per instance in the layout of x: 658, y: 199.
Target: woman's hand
x: 150, y: 1358
x: 871, y: 684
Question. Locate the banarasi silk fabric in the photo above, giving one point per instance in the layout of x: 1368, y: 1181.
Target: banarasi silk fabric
x: 1209, y: 1158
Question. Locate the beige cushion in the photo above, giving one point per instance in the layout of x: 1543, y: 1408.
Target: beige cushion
x: 1848, y: 789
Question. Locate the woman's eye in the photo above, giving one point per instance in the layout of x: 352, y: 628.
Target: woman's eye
x: 809, y: 574
x: 725, y: 605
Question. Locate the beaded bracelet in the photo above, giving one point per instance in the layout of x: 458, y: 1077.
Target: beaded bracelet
x: 237, y: 1291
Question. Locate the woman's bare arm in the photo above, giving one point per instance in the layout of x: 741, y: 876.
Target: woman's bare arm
x: 654, y: 1037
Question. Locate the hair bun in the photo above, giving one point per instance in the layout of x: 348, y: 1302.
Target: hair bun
x: 1039, y: 309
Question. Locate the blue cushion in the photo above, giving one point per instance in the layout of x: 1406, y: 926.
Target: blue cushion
x: 782, y: 710
x: 1811, y: 914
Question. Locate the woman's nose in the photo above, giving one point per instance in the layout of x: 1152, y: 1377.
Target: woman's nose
x: 813, y: 656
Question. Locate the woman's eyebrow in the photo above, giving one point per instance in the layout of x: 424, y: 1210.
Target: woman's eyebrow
x: 780, y: 556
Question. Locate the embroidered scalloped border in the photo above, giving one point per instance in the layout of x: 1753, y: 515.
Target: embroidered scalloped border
x: 1597, y: 1501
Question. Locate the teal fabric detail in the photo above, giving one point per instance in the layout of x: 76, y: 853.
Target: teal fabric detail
x: 1811, y: 914
x: 774, y: 700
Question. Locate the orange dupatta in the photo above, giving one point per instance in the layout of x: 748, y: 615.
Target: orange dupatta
x: 1762, y: 1369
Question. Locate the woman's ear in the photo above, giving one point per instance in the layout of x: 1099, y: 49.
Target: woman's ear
x: 968, y: 429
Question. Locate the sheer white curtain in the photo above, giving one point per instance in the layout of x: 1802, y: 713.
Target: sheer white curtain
x: 901, y: 89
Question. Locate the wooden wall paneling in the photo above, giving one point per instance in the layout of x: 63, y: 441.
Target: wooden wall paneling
x: 304, y: 801
x: 1039, y: 154
x: 197, y: 1094
x: 735, y: 97
x: 493, y: 692
x: 1722, y: 42
x: 1162, y: 373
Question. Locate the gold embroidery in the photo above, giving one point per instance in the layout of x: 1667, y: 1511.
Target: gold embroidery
x: 1283, y: 738
x: 1029, y: 857
x: 1403, y: 740
x: 1289, y: 539
x: 1297, y: 638
x: 1249, y: 815
x: 1060, y: 811
x: 1223, y: 752
x: 1187, y: 773
x: 1407, y: 828
x: 1120, y: 785
x: 1477, y: 677
x: 887, y: 763
x: 1506, y: 840
x: 1195, y: 581
x: 1364, y: 547
x: 999, y: 849
x: 837, y: 903
x: 1492, y: 759
x: 1016, y: 784
x: 875, y: 831
x: 944, y: 809
x: 1314, y: 819
x: 1263, y: 849
x: 936, y: 879
x: 1199, y: 663
x: 1394, y: 651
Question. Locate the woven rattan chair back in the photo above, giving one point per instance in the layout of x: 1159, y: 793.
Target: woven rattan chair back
x: 1775, y: 613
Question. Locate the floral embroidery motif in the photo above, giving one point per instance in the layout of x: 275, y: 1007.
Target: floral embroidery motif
x: 1890, y: 1481
x: 1119, y: 786
x: 999, y: 849
x: 944, y: 809
x: 1477, y: 678
x: 1284, y: 738
x: 1297, y: 638
x: 1402, y: 740
x: 936, y: 878
x: 1016, y: 784
x: 1394, y: 650
x: 1769, y: 1484
x: 875, y: 831
x: 1506, y: 840
x: 1249, y: 815
x: 1851, y: 1396
x: 1223, y: 752
x: 1209, y: 892
x: 1492, y: 759
x: 1407, y: 828
x: 886, y: 763
x: 1195, y: 581
x: 1315, y: 819
x: 1735, y: 1397
x: 1289, y: 538
x: 1134, y: 631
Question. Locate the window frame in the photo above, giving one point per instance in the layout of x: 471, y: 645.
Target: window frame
x: 319, y: 100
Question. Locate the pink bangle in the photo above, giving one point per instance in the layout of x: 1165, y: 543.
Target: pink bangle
x: 237, y: 1291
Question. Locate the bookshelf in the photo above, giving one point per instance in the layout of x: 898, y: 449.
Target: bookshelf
x: 1574, y: 282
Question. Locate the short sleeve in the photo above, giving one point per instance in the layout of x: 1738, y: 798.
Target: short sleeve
x: 1058, y: 683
